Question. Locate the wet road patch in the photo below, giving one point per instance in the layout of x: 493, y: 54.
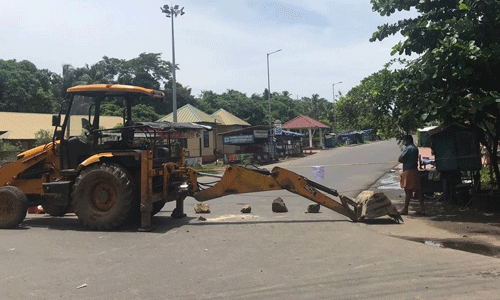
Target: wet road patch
x: 458, y: 244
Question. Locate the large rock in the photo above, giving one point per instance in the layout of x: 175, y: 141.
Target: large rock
x: 375, y: 205
x: 246, y: 209
x: 313, y: 208
x: 202, y: 208
x: 279, y: 205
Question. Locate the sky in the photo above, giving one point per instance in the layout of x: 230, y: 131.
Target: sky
x: 219, y: 45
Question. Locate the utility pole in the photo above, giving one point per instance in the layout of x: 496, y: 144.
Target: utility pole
x: 334, y: 106
x: 269, y: 87
x: 172, y: 12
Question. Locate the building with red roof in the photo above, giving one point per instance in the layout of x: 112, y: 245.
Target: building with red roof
x: 304, y: 122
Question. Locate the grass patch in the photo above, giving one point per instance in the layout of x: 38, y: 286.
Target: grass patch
x: 207, y: 168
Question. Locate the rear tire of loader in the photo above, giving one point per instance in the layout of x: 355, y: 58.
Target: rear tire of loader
x: 103, y: 196
x: 13, y: 206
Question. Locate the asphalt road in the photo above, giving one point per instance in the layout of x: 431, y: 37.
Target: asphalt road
x: 262, y: 255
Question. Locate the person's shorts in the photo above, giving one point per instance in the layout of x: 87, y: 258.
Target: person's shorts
x: 410, y: 180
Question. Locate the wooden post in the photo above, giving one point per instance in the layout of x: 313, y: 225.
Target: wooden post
x: 146, y: 189
x: 321, y: 144
x: 310, y: 138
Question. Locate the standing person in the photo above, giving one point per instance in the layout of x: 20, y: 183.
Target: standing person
x: 410, y: 178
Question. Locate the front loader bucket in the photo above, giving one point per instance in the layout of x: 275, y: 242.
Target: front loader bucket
x: 371, y: 205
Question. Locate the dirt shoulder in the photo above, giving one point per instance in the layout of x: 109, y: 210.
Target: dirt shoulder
x: 444, y: 225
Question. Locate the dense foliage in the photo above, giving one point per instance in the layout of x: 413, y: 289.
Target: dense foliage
x: 24, y: 88
x: 455, y: 77
x: 43, y: 137
x: 8, y: 150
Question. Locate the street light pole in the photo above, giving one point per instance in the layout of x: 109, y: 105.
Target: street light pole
x: 172, y: 12
x: 333, y: 87
x: 334, y: 102
x: 269, y: 87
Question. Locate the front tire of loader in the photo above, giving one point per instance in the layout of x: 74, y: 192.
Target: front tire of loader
x: 13, y: 206
x: 103, y: 196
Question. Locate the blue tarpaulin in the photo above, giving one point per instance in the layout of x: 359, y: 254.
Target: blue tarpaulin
x: 291, y: 133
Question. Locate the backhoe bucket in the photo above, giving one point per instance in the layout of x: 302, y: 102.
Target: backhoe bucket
x: 372, y: 205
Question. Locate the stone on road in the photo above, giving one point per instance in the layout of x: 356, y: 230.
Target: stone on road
x: 313, y: 208
x: 279, y: 205
x: 202, y: 208
x: 246, y: 209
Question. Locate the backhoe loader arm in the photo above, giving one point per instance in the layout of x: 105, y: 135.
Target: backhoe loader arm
x: 237, y: 180
x: 311, y: 190
x: 12, y: 173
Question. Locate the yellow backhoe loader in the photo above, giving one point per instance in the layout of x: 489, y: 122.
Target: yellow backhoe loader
x: 109, y: 175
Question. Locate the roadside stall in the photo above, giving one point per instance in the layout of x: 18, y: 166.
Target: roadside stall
x: 423, y: 136
x: 330, y: 140
x: 313, y: 128
x: 289, y: 143
x: 174, y: 136
x: 204, y: 145
x: 256, y: 145
x: 458, y: 160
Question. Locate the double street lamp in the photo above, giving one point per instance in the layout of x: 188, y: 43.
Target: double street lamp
x: 172, y: 12
x: 269, y: 87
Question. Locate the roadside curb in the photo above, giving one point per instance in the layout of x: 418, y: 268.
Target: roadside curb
x: 444, y: 226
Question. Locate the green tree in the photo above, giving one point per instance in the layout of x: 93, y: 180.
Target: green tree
x: 284, y: 108
x: 147, y: 70
x: 250, y: 110
x: 94, y: 74
x: 43, y: 137
x: 207, y: 102
x: 8, y: 150
x: 316, y: 107
x: 455, y: 77
x: 24, y: 88
x: 144, y: 113
x: 380, y: 106
x: 111, y: 109
x: 346, y: 113
x: 183, y: 97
